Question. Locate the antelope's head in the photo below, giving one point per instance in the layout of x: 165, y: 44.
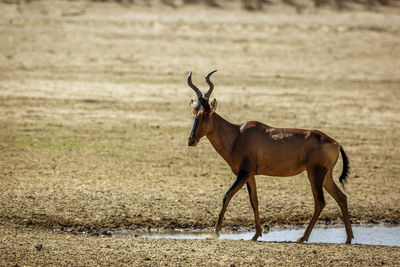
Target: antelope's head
x: 202, y: 111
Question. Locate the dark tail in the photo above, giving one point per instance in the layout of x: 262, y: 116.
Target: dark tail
x: 346, y: 168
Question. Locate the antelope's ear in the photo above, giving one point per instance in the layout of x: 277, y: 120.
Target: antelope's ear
x: 213, y: 105
x: 193, y: 103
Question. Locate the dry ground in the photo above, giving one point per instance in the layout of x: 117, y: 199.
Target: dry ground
x: 94, y: 117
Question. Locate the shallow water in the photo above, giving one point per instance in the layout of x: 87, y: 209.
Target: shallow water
x: 368, y: 235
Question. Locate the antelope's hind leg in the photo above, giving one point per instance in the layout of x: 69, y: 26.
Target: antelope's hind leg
x: 251, y: 187
x: 239, y: 182
x: 341, y: 199
x: 316, y: 176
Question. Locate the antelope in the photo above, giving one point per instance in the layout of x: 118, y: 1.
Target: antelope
x: 253, y: 148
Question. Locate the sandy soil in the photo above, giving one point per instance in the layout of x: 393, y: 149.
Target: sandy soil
x: 27, y: 246
x: 94, y: 117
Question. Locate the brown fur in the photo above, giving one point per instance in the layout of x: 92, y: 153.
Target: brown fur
x: 254, y: 148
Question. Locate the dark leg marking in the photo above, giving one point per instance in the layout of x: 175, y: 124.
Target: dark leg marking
x: 239, y: 182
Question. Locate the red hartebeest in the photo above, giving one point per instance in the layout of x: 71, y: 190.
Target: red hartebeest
x: 254, y: 148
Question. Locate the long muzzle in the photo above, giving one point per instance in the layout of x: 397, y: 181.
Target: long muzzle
x: 191, y: 139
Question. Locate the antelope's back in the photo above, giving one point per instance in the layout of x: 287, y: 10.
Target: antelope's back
x: 283, y: 151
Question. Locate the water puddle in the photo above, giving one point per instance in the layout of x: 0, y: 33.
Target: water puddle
x: 368, y: 235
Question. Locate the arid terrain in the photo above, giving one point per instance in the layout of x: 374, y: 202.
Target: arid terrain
x: 94, y: 118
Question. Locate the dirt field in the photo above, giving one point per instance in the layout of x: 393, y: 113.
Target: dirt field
x: 94, y: 117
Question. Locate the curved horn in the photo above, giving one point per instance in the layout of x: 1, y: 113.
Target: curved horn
x: 189, y: 80
x: 208, y: 93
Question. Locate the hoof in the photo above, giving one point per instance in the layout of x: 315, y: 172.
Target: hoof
x: 302, y: 239
x: 256, y: 236
x: 215, y: 235
x: 216, y: 231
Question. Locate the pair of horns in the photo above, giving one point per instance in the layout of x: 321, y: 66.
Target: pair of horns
x: 206, y: 96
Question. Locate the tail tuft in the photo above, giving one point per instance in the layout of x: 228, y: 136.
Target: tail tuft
x: 346, y: 168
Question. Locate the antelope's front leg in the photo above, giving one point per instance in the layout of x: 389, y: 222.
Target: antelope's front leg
x: 239, y: 182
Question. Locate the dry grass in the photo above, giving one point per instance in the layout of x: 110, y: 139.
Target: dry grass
x: 94, y: 112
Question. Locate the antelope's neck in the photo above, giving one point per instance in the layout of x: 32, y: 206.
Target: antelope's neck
x: 223, y: 136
